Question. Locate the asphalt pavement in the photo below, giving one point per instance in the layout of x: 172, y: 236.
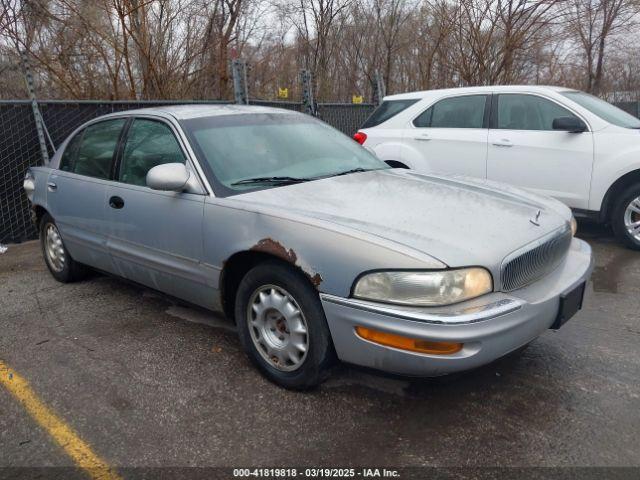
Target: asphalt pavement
x: 147, y: 382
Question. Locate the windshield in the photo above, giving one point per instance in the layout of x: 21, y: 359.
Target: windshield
x: 247, y: 152
x: 604, y: 110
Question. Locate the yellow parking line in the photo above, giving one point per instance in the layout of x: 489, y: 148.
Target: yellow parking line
x: 62, y: 433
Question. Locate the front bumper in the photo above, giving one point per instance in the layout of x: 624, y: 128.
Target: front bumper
x: 489, y: 327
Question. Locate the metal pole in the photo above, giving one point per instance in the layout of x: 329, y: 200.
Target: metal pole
x: 308, y: 101
x: 379, y: 90
x: 40, y: 126
x: 239, y: 72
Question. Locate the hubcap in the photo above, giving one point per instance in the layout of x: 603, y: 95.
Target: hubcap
x: 632, y: 219
x: 53, y: 248
x: 278, y: 327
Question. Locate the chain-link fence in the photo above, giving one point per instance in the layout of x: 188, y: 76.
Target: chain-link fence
x: 20, y: 149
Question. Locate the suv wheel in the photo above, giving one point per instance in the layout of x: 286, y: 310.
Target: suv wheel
x: 282, y: 326
x: 625, y: 219
x: 63, y: 268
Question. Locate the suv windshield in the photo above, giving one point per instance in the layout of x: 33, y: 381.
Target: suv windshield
x: 604, y: 110
x: 247, y: 152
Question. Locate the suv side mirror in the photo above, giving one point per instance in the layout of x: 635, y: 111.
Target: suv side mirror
x: 171, y: 177
x: 569, y: 124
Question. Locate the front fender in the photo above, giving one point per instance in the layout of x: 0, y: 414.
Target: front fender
x: 331, y: 259
x: 606, y: 173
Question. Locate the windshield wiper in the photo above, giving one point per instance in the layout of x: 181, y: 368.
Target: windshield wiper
x: 347, y: 172
x: 273, y: 180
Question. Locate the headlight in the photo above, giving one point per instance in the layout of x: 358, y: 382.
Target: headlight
x: 424, y: 288
x: 574, y: 226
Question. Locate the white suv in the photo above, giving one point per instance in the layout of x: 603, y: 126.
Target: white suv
x: 555, y: 141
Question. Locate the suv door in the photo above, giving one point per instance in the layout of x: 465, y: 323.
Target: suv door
x: 76, y: 191
x: 524, y: 150
x: 155, y: 237
x: 451, y: 135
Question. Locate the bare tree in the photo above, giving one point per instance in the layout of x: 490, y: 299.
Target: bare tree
x: 595, y: 22
x: 133, y: 49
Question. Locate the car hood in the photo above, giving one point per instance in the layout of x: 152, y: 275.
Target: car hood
x: 458, y: 220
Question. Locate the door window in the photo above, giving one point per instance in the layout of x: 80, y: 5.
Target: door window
x: 95, y: 152
x: 388, y: 109
x: 528, y: 112
x: 456, y: 112
x: 149, y: 143
x: 69, y: 155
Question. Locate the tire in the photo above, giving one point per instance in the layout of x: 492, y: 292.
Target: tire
x: 273, y: 340
x: 625, y: 210
x: 63, y: 268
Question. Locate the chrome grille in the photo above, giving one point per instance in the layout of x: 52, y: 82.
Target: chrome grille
x: 532, y: 265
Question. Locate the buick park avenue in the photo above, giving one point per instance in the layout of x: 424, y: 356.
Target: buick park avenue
x: 318, y: 250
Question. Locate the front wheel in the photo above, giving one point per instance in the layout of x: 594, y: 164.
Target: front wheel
x: 625, y: 219
x: 282, y: 326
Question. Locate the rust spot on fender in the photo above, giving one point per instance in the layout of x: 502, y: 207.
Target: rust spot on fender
x: 316, y: 279
x: 269, y: 245
x: 273, y: 247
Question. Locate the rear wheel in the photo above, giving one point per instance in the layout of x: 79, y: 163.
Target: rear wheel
x: 282, y: 326
x: 59, y: 262
x: 625, y: 218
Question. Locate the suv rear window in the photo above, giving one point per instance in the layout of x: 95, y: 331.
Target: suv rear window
x: 387, y: 110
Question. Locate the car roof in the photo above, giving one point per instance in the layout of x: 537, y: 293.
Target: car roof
x: 187, y: 111
x: 482, y: 89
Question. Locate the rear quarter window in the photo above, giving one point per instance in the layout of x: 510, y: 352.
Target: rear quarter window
x: 388, y: 109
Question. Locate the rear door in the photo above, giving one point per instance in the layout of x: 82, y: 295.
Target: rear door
x: 155, y: 237
x: 524, y: 150
x: 76, y: 191
x: 451, y: 135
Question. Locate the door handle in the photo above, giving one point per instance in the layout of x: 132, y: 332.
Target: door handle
x: 116, y: 202
x: 503, y: 142
x: 51, y: 186
x: 423, y: 137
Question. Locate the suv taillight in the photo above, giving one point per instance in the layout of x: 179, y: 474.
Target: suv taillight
x: 360, y: 137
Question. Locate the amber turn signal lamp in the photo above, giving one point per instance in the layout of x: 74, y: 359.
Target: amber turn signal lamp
x: 407, y: 343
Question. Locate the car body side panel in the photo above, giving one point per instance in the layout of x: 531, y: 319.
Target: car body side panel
x: 385, y: 145
x: 156, y: 239
x: 78, y: 206
x: 41, y: 176
x: 449, y: 150
x: 554, y: 163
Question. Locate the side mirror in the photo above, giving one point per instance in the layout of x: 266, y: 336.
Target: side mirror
x: 569, y: 124
x: 171, y: 177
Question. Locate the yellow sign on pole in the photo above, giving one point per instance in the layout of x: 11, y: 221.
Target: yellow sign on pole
x: 356, y: 99
x: 283, y: 92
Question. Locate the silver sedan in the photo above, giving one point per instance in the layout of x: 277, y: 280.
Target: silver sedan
x: 318, y: 250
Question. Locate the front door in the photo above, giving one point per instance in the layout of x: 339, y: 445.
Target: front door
x: 451, y: 136
x: 524, y: 150
x: 155, y: 237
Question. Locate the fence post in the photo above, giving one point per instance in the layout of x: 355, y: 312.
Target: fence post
x: 308, y: 101
x: 379, y: 90
x: 240, y: 88
x: 40, y: 126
